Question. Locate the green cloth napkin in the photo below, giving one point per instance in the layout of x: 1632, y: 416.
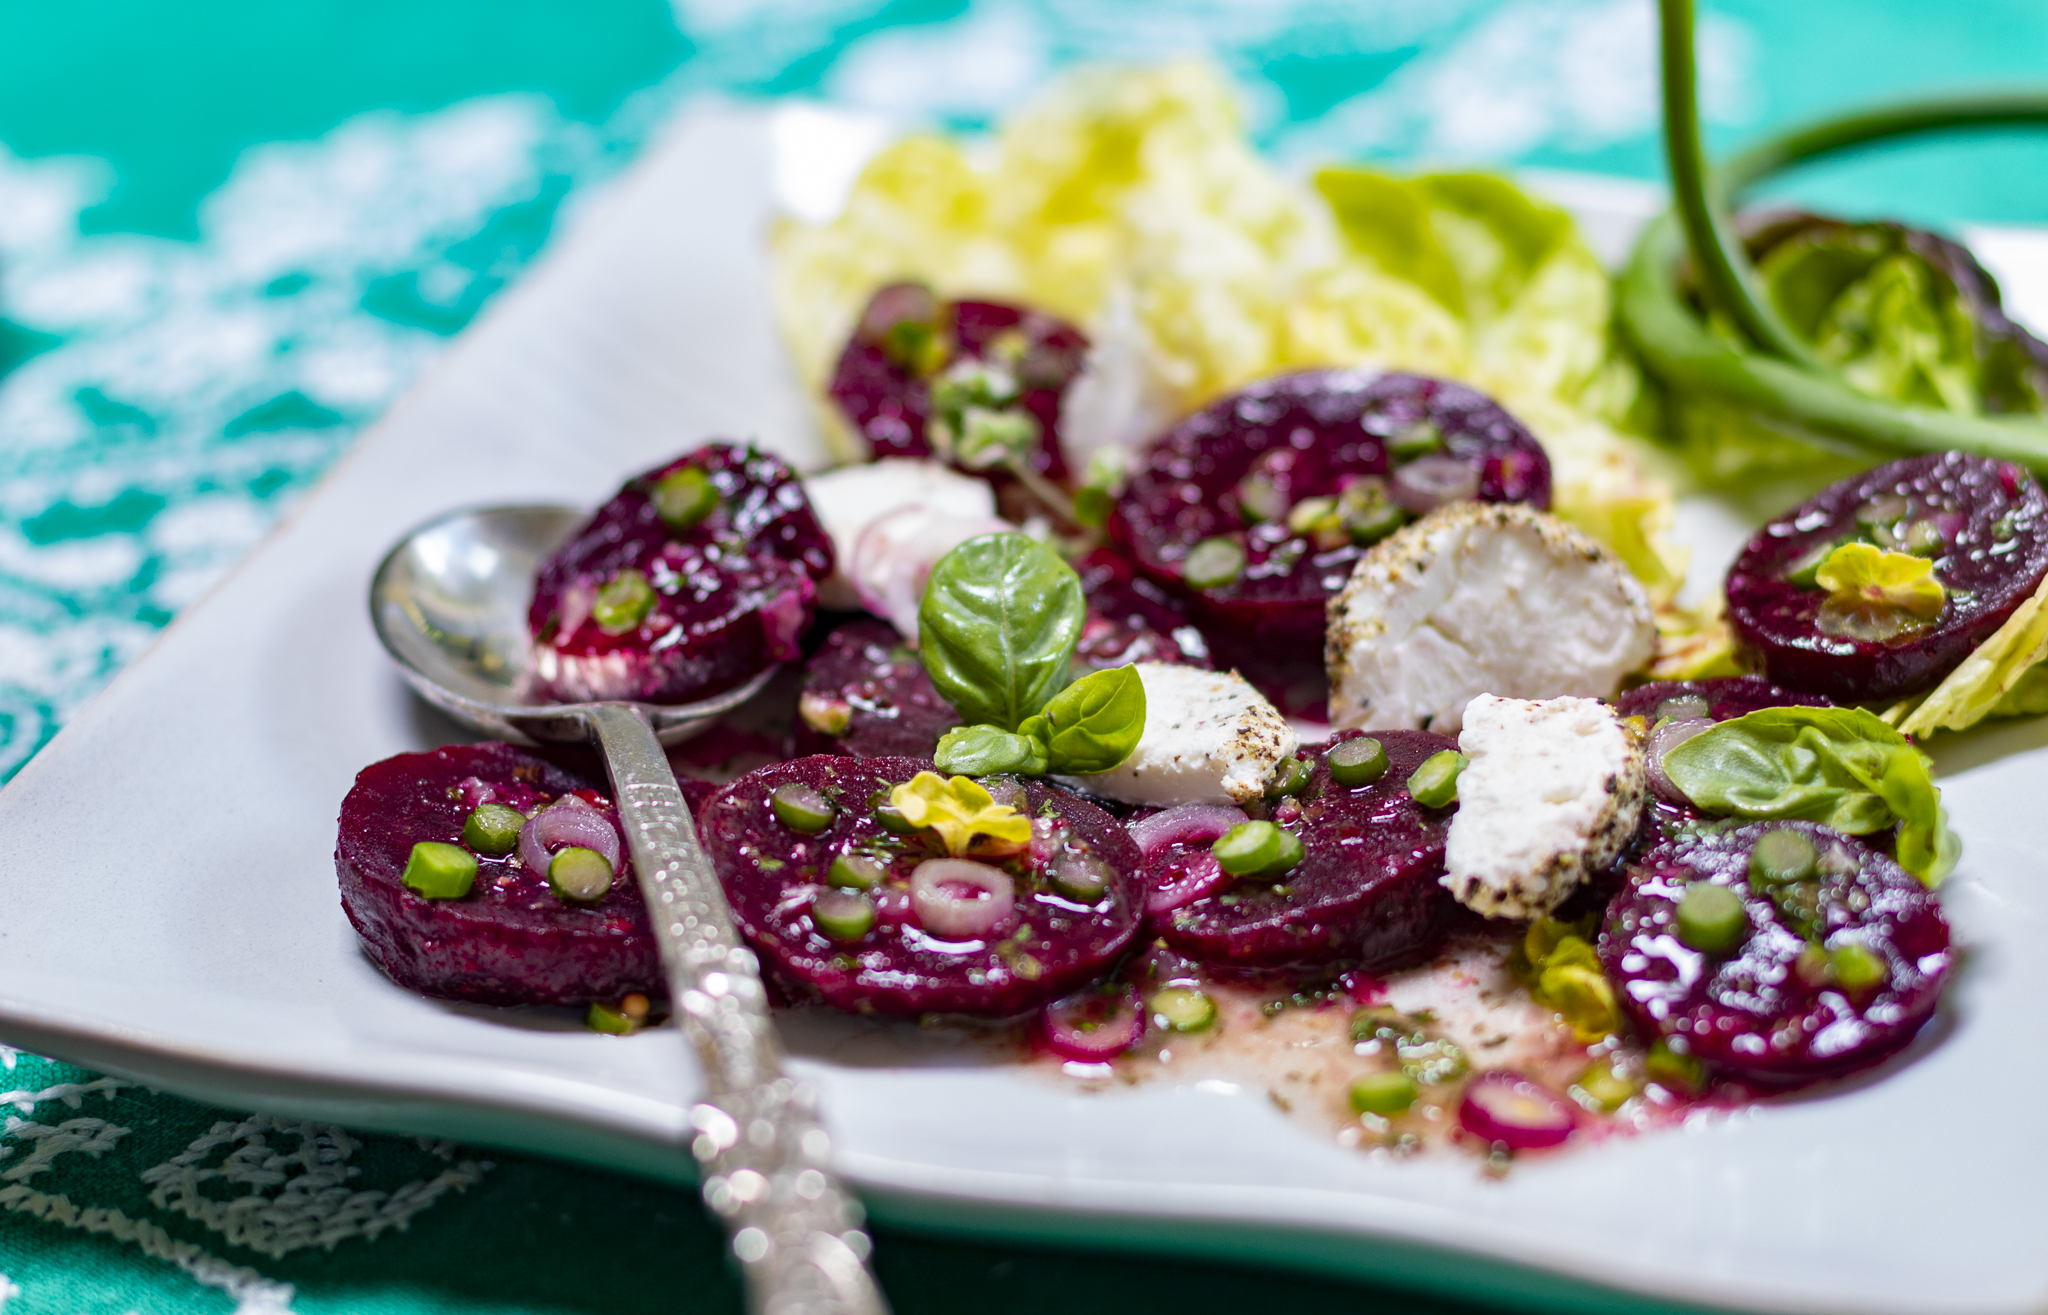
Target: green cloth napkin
x: 231, y: 231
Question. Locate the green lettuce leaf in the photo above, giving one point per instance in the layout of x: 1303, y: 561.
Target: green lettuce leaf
x: 1841, y: 767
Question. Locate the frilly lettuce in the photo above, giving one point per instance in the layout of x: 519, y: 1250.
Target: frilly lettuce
x: 1130, y: 201
x: 2000, y: 677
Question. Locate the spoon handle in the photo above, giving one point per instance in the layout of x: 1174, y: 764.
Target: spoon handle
x: 766, y: 1161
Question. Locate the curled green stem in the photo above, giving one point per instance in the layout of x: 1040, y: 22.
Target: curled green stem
x: 1725, y: 274
x: 1781, y: 381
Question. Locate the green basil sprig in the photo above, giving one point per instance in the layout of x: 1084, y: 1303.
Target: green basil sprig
x: 998, y: 625
x: 999, y: 621
x: 1092, y: 724
x: 989, y: 750
x: 1841, y: 767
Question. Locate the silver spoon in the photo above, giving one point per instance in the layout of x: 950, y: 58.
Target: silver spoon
x: 449, y: 603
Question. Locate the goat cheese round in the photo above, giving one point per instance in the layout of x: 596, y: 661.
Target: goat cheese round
x: 1551, y: 793
x: 1210, y: 738
x: 1481, y: 598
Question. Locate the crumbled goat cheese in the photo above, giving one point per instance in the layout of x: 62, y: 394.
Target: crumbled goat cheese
x: 1551, y: 793
x: 1210, y: 738
x: 1481, y: 598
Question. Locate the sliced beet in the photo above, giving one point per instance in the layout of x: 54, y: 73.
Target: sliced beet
x: 1306, y: 435
x: 1046, y: 946
x: 1131, y: 618
x: 866, y: 694
x: 730, y: 596
x: 887, y: 397
x: 510, y: 941
x: 1766, y: 1008
x: 1722, y: 699
x: 1366, y: 891
x: 1986, y: 532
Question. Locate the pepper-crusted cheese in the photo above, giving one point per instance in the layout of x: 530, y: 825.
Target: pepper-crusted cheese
x: 851, y: 498
x: 1551, y: 792
x: 1481, y: 598
x: 1210, y: 738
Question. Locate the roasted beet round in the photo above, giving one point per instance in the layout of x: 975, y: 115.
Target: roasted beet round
x: 885, y: 377
x: 866, y: 694
x: 881, y: 950
x: 1721, y: 699
x: 510, y: 941
x: 1835, y: 970
x: 1983, y: 524
x: 638, y: 607
x: 1365, y: 893
x: 1131, y: 619
x: 1239, y: 469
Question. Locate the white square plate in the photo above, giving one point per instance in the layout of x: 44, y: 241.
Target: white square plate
x: 170, y: 911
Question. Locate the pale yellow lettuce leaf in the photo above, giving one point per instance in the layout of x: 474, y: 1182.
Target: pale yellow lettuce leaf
x: 2000, y: 677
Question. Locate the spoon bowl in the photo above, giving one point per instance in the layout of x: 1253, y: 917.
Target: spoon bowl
x: 449, y: 605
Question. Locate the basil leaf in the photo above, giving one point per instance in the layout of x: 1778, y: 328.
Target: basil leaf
x: 999, y: 621
x: 1841, y: 767
x: 988, y: 751
x: 1094, y: 723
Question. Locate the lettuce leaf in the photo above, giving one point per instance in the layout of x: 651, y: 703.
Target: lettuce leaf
x: 1841, y: 767
x: 2000, y: 677
x: 1130, y: 201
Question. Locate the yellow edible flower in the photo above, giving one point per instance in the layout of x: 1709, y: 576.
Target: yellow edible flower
x: 965, y: 816
x: 1877, y: 595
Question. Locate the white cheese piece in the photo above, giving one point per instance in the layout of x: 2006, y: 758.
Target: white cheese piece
x: 1481, y: 598
x: 1552, y: 792
x: 1210, y: 738
x: 851, y: 498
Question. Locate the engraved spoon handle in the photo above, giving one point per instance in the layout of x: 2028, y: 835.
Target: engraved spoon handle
x: 794, y: 1227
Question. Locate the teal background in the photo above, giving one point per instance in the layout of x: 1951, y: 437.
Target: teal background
x: 231, y: 230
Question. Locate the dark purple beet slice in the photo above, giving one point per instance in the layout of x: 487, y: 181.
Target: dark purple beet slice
x: 510, y: 941
x: 1132, y: 619
x: 869, y: 684
x: 888, y: 402
x: 1725, y: 697
x: 1046, y: 947
x: 732, y: 594
x: 1309, y: 434
x: 1364, y: 894
x: 1993, y: 524
x: 1752, y: 1012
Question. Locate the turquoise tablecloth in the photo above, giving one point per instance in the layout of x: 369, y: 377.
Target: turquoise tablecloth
x: 232, y: 230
